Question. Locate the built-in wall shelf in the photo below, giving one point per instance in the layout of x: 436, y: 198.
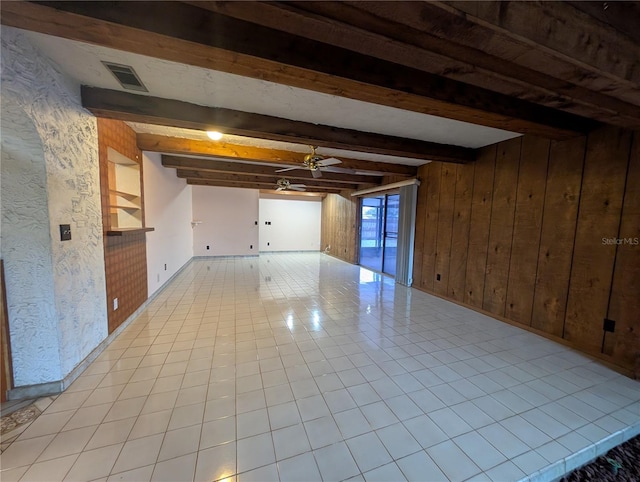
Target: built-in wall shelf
x: 126, y: 231
x: 125, y: 195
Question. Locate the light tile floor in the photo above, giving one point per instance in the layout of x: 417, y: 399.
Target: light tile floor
x: 300, y: 367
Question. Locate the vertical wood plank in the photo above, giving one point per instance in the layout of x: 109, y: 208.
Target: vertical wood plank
x: 603, y: 184
x: 460, y: 230
x: 526, y: 229
x: 479, y: 226
x: 445, y: 221
x: 564, y: 178
x: 339, y: 226
x: 421, y: 214
x: 431, y: 226
x: 501, y: 227
x: 624, y: 306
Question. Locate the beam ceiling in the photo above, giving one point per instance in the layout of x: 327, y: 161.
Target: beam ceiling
x: 249, y: 185
x: 182, y: 33
x: 215, y: 166
x: 190, y: 147
x: 479, y: 43
x: 246, y: 178
x: 146, y: 109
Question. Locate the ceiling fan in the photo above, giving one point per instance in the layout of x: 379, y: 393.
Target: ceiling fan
x: 284, y: 185
x: 314, y: 163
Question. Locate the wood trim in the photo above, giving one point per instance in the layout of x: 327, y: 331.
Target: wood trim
x: 127, y: 231
x: 182, y: 146
x: 6, y: 363
x: 182, y: 33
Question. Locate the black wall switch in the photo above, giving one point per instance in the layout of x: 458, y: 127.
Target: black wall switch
x: 65, y: 232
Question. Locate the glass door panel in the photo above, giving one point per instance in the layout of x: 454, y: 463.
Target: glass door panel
x: 372, y: 232
x: 391, y: 234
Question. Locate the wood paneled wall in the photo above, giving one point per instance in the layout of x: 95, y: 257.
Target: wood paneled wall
x: 125, y: 257
x: 541, y: 233
x: 339, y: 226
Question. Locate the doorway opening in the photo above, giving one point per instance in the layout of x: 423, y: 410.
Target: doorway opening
x: 379, y: 232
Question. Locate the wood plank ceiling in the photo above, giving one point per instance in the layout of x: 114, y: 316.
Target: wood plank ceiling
x: 552, y: 69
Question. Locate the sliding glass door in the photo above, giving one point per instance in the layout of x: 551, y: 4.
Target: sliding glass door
x: 371, y: 232
x: 379, y: 232
x: 390, y: 249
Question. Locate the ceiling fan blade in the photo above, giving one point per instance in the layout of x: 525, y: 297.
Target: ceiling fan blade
x: 329, y: 162
x: 289, y: 169
x: 371, y: 173
x: 280, y: 188
x: 316, y: 173
x: 297, y: 185
x: 343, y: 170
x: 294, y: 188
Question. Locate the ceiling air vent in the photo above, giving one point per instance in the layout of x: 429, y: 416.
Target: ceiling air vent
x: 126, y: 76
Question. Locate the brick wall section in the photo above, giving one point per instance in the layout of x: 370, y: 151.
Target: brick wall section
x: 125, y: 257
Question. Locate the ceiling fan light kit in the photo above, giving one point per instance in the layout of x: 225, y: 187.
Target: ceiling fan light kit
x: 315, y: 163
x: 285, y: 185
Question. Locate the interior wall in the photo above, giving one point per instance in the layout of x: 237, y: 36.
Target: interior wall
x: 339, y: 227
x: 68, y: 137
x: 294, y: 225
x: 541, y: 233
x: 228, y: 221
x: 26, y: 250
x: 125, y: 256
x: 169, y: 210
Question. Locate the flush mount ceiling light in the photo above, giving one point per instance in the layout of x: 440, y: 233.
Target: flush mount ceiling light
x: 214, y: 135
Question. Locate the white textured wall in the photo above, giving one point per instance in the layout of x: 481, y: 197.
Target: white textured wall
x: 68, y: 135
x: 228, y: 218
x: 295, y: 225
x: 26, y: 247
x: 168, y: 209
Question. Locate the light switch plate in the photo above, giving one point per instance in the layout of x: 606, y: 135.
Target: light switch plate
x: 65, y: 232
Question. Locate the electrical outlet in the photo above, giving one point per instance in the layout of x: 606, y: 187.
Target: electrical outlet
x: 609, y: 325
x: 165, y: 266
x: 207, y: 246
x: 268, y: 244
x: 251, y: 246
x: 438, y: 277
x: 115, y: 304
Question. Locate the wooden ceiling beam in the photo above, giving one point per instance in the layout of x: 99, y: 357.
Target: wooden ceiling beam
x: 211, y: 165
x: 412, y: 33
x: 190, y: 147
x: 182, y: 33
x: 251, y: 185
x: 248, y: 178
x: 558, y: 53
x: 563, y: 30
x: 623, y: 16
x: 125, y: 106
